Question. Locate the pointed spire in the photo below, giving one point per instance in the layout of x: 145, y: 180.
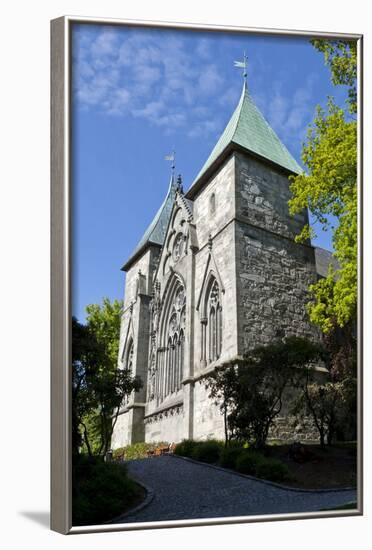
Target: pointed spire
x: 247, y: 129
x: 155, y: 233
x: 243, y: 65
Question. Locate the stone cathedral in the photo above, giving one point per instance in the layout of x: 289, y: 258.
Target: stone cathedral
x: 217, y: 272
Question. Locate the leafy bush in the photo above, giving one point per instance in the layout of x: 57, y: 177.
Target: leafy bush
x: 186, y: 447
x: 248, y: 461
x: 207, y: 451
x: 240, y: 458
x: 272, y: 469
x: 229, y: 456
x: 100, y: 490
x: 136, y: 450
x: 254, y: 464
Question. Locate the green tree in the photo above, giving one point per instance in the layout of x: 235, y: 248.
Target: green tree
x: 341, y: 58
x: 99, y: 386
x: 330, y: 189
x: 103, y: 320
x: 86, y: 358
x: 331, y: 406
x: 250, y: 391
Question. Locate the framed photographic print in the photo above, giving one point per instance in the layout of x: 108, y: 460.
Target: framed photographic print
x: 206, y: 266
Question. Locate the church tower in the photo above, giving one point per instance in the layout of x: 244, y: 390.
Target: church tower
x: 218, y: 272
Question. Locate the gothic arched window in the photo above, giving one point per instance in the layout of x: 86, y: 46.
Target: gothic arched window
x: 212, y: 203
x: 211, y: 324
x: 171, y: 359
x: 128, y: 365
x: 178, y: 247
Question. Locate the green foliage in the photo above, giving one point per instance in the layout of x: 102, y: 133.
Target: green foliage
x: 255, y: 464
x: 103, y: 321
x: 331, y: 406
x: 236, y: 457
x: 341, y: 58
x: 330, y: 188
x: 207, y: 451
x: 99, y: 386
x: 100, y: 491
x: 273, y: 470
x: 186, y: 447
x: 136, y: 450
x: 229, y: 456
x: 247, y: 462
x: 249, y: 391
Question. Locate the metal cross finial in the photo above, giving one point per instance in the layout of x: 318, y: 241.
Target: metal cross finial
x: 243, y: 65
x: 172, y: 158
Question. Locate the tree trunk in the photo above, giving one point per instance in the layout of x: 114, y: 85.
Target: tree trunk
x: 322, y: 442
x: 225, y: 426
x: 86, y: 439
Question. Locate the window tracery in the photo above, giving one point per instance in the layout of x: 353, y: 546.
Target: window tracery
x: 211, y: 324
x: 169, y: 372
x: 178, y: 247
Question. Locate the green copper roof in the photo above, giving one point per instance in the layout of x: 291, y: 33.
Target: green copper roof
x: 248, y: 128
x: 155, y: 233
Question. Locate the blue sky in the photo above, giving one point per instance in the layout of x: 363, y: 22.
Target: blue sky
x: 139, y: 93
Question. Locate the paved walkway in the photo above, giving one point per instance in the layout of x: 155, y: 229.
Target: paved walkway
x: 188, y: 490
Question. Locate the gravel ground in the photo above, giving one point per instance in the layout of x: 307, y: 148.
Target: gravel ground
x: 188, y: 490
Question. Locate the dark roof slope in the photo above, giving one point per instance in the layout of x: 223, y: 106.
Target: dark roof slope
x: 155, y: 233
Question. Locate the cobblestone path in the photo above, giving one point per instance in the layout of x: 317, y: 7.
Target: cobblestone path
x: 188, y: 490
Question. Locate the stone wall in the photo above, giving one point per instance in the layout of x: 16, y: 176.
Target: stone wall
x: 167, y: 425
x: 273, y: 279
x: 210, y: 221
x: 208, y: 420
x: 135, y: 325
x: 223, y: 250
x: 273, y: 272
x: 262, y: 195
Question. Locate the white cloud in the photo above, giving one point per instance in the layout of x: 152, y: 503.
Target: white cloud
x: 148, y: 75
x: 210, y: 80
x: 203, y: 48
x: 288, y: 114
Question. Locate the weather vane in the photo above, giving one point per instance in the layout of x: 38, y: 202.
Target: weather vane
x: 172, y: 158
x: 242, y: 65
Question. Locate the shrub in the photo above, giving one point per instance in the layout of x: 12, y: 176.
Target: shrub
x: 136, y: 450
x: 272, y: 469
x: 229, y: 456
x: 185, y: 448
x: 207, y: 451
x: 100, y: 490
x: 247, y: 462
x: 255, y: 464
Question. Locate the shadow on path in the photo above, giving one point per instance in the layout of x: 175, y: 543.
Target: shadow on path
x: 190, y: 490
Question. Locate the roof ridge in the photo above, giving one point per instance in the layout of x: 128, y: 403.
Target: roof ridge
x: 239, y: 106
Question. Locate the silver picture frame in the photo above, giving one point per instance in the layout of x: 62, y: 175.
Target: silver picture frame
x: 61, y: 271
